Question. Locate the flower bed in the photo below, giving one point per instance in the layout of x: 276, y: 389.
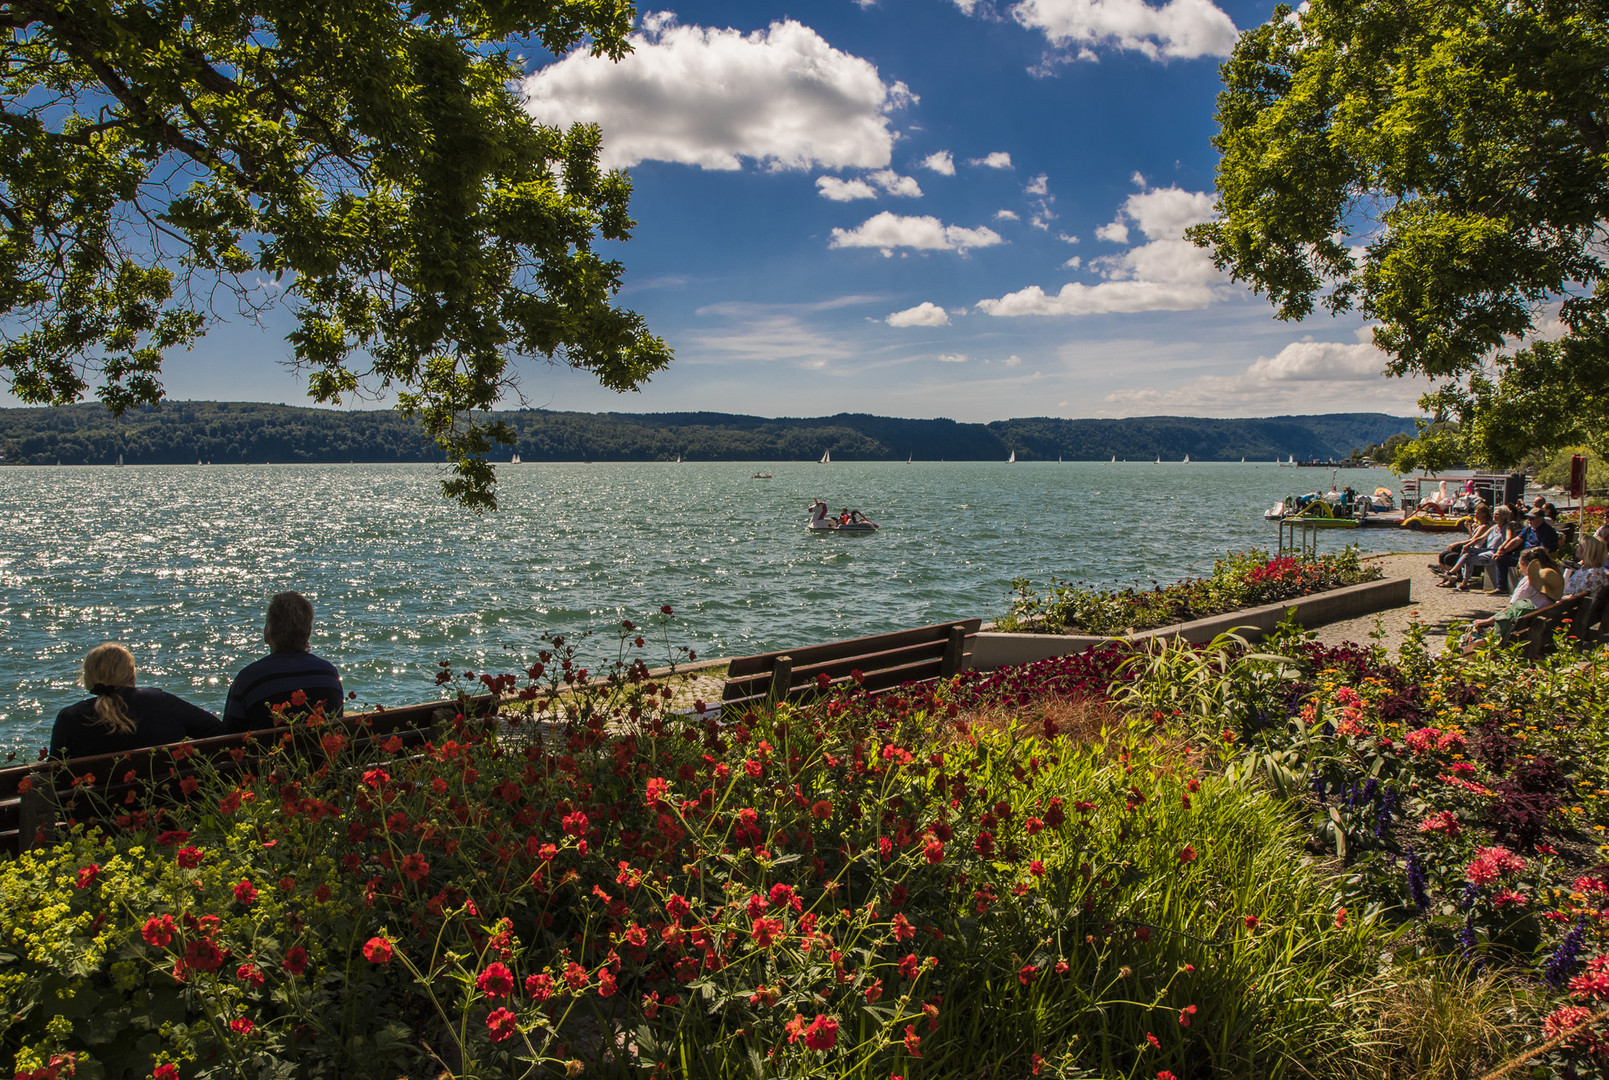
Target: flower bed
x: 856, y: 889
x: 1239, y: 580
x: 973, y: 876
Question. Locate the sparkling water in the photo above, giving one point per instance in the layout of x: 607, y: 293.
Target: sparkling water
x: 178, y: 562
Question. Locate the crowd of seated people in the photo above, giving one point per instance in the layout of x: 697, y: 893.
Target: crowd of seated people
x: 120, y: 715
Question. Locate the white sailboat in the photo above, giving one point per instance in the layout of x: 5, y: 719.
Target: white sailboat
x: 1114, y: 459
x: 1187, y: 459
x: 1159, y: 459
x: 826, y: 458
x: 515, y: 460
x: 678, y: 459
x: 1012, y: 459
x: 908, y: 458
x: 120, y: 461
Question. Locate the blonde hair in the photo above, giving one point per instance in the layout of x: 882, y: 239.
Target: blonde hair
x: 107, y: 667
x: 1593, y: 551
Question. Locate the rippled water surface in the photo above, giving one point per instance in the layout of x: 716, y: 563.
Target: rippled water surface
x: 178, y: 561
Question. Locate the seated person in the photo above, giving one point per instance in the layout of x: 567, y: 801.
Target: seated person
x: 1591, y: 575
x: 1503, y: 545
x: 122, y: 716
x: 287, y: 668
x: 1450, y: 563
x: 1539, y: 531
x: 1540, y: 586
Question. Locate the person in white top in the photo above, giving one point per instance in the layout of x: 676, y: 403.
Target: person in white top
x: 1541, y: 585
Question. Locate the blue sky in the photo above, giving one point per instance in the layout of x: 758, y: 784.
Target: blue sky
x: 960, y: 208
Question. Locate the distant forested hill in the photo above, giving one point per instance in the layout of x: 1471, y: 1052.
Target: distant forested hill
x: 232, y: 432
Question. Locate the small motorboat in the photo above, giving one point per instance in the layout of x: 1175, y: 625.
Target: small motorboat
x: 761, y: 476
x: 820, y: 522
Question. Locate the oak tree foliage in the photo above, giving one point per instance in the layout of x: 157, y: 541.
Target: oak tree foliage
x: 365, y: 162
x: 1442, y: 168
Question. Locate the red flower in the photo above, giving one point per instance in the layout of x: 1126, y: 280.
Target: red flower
x: 376, y: 778
x: 822, y: 1033
x: 298, y: 698
x: 575, y: 975
x: 377, y: 950
x: 765, y: 931
x: 250, y: 975
x: 1188, y: 855
x: 539, y: 987
x: 415, y: 868
x: 902, y: 929
x: 246, y: 892
x: 158, y: 930
x: 1165, y: 1075
x: 1156, y: 1043
x: 496, y: 981
x: 1027, y: 972
x: 1185, y: 1014
x: 242, y: 1024
x: 913, y: 1041
x: 1032, y: 825
x: 606, y: 983
x: 676, y: 907
x: 1340, y: 918
x: 874, y: 991
x: 188, y: 857
x: 295, y: 960
x: 87, y: 875
x: 203, y: 955
x: 165, y: 1071
x: 934, y: 850
x: 822, y: 810
x: 658, y: 787
x: 910, y: 967
x: 501, y: 1024
x: 1251, y: 922
x: 229, y: 803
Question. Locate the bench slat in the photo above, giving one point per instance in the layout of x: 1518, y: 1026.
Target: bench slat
x: 814, y: 654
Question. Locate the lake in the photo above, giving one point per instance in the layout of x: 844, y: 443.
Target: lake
x: 178, y: 561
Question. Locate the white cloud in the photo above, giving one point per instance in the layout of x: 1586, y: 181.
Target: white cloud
x: 1006, y: 215
x: 1164, y: 213
x: 999, y: 159
x: 830, y: 187
x: 1179, y: 28
x: 952, y: 358
x: 1012, y: 361
x: 940, y: 162
x: 781, y: 97
x: 1304, y: 376
x: 1167, y: 273
x: 1039, y: 185
x: 926, y: 313
x: 888, y: 231
x: 1106, y: 297
x: 895, y: 184
x: 1067, y: 238
x: 1074, y: 263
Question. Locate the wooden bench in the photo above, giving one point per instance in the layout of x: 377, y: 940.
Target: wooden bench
x: 884, y: 662
x: 1588, y: 625
x: 1534, y: 630
x: 37, y: 800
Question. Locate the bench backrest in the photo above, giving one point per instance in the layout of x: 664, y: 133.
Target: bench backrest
x: 885, y: 661
x: 1535, y: 629
x: 1589, y: 624
x: 38, y: 798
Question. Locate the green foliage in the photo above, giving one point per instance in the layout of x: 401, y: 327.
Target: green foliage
x: 1238, y: 580
x: 853, y: 889
x: 1462, y: 147
x: 220, y: 432
x: 369, y: 160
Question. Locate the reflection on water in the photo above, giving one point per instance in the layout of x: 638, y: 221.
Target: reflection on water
x: 178, y: 561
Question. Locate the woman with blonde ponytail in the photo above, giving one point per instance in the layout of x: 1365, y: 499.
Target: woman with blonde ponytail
x: 121, y: 716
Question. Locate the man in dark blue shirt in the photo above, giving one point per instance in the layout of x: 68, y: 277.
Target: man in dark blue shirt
x: 1539, y: 532
x: 288, y: 675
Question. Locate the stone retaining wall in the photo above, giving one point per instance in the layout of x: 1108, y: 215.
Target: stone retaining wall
x: 992, y: 650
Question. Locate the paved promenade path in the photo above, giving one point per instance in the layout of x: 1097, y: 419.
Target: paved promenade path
x: 1436, y: 608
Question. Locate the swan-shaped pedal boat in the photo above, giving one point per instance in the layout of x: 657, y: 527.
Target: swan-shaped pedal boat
x: 821, y: 523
